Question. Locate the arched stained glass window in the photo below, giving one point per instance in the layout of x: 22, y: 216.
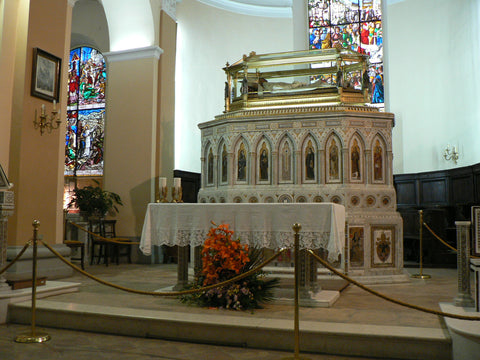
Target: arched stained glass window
x: 355, y: 24
x: 85, y: 113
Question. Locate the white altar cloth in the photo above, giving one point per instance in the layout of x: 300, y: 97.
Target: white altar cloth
x: 259, y: 225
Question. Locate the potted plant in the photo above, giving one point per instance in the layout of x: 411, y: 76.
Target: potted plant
x: 93, y: 201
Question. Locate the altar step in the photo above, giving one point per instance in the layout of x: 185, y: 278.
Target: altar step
x: 384, y: 342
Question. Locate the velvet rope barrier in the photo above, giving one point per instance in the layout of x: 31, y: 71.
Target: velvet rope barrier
x: 114, y: 240
x: 25, y: 247
x: 385, y: 297
x: 165, y: 293
x: 443, y: 241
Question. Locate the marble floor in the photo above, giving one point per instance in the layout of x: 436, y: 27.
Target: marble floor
x: 77, y: 345
x: 354, y: 306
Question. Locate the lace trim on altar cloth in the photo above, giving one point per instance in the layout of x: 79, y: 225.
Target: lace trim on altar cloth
x: 259, y: 239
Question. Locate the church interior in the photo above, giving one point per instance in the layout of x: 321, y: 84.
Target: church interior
x: 333, y: 103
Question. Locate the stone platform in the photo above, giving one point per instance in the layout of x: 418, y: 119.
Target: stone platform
x: 358, y: 324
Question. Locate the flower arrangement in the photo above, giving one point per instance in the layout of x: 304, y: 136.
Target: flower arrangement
x: 222, y: 259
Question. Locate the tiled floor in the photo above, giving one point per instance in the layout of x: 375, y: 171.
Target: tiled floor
x: 354, y: 306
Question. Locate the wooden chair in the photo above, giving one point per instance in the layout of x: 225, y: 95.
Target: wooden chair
x: 117, y: 250
x: 75, y: 246
x: 105, y: 250
x: 99, y: 248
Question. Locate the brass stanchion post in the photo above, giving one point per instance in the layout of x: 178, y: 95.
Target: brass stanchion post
x: 33, y: 336
x: 296, y: 329
x: 421, y: 275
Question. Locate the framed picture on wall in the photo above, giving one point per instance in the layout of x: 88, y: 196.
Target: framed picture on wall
x: 476, y: 230
x: 45, y: 75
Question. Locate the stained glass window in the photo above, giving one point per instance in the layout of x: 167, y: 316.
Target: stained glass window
x: 355, y: 24
x: 85, y: 113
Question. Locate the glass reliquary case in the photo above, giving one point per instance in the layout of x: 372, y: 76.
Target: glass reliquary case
x: 301, y: 78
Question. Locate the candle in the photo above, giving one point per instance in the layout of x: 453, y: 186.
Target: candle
x: 162, y: 182
x: 177, y: 182
x: 43, y: 109
x: 54, y: 105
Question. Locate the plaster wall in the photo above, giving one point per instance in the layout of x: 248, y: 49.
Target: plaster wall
x: 432, y: 77
x: 89, y: 26
x: 207, y: 38
x: 166, y: 98
x: 130, y: 136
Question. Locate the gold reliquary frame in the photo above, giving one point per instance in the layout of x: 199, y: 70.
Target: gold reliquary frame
x: 256, y: 81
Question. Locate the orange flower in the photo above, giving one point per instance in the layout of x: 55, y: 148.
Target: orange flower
x: 222, y: 256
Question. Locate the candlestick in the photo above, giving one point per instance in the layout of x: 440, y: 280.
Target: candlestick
x: 162, y: 182
x: 177, y: 182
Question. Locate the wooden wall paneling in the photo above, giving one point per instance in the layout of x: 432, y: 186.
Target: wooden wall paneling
x: 462, y: 186
x: 434, y: 188
x: 407, y: 192
x: 190, y: 185
x: 445, y: 197
x: 476, y: 182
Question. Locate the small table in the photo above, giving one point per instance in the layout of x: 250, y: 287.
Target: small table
x: 259, y: 225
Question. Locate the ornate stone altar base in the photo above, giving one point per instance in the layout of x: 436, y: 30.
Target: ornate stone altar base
x: 339, y: 153
x: 313, y: 139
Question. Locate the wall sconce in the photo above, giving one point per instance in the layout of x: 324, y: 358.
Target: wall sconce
x: 46, y: 121
x: 451, y: 154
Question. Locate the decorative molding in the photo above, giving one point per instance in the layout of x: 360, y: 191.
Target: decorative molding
x: 170, y: 8
x: 134, y: 54
x: 263, y: 8
x: 72, y: 2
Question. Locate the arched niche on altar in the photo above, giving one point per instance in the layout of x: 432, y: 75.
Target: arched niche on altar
x: 264, y: 161
x: 241, y: 161
x: 222, y: 163
x: 286, y: 159
x: 310, y: 159
x: 333, y: 159
x: 356, y: 159
x: 209, y: 165
x: 379, y: 152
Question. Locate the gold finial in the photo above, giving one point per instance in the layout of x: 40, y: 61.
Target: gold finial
x: 36, y: 224
x: 297, y: 227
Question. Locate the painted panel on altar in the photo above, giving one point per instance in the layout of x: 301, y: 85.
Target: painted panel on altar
x: 356, y: 245
x: 383, y: 246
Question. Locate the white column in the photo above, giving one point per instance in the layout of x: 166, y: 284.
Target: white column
x: 300, y: 24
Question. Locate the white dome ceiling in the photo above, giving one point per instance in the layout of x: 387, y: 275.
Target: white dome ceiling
x: 267, y: 8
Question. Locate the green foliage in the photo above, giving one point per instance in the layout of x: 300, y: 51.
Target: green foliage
x: 95, y: 202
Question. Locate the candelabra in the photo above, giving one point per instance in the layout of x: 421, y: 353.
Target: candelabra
x: 177, y: 194
x: 450, y: 154
x: 163, y: 191
x: 47, y: 121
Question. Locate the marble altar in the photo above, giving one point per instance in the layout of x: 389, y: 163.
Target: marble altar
x: 308, y: 148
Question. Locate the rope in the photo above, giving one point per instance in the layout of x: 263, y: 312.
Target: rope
x: 112, y: 240
x: 165, y: 293
x: 444, y: 242
x: 25, y: 247
x: 398, y: 302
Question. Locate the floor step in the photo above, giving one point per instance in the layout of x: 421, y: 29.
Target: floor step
x: 392, y: 342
